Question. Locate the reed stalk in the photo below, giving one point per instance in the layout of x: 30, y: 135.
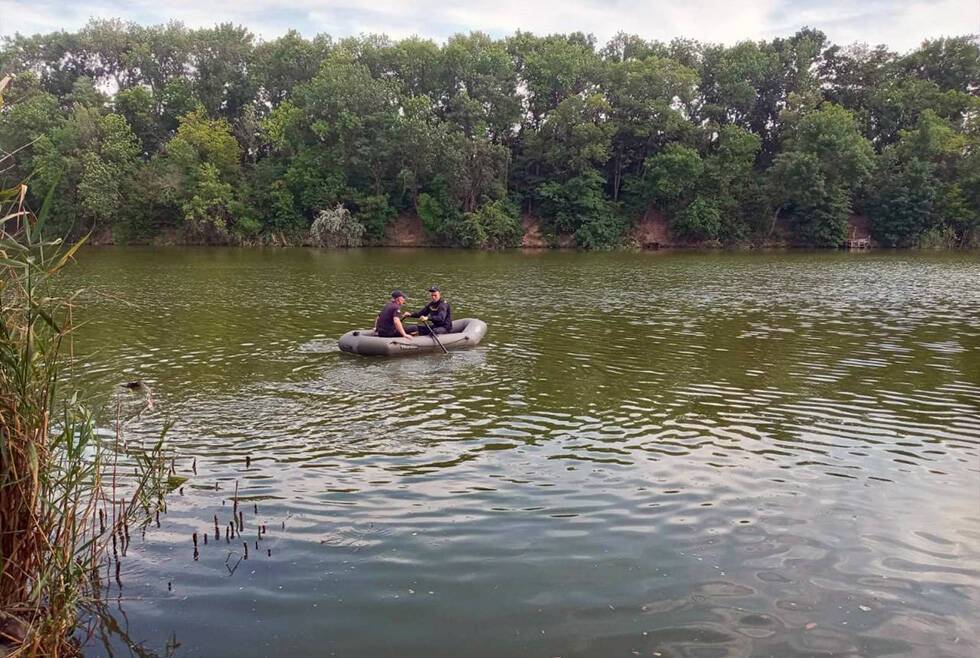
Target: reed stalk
x: 65, y: 510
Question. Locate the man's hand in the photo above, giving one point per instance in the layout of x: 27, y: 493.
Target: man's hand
x: 405, y: 314
x: 407, y: 337
x: 424, y: 318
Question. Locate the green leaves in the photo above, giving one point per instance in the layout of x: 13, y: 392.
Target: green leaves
x: 922, y: 184
x: 577, y: 134
x: 700, y: 220
x: 815, y: 178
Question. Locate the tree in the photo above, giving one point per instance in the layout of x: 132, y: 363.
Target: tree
x: 903, y: 202
x: 139, y: 108
x: 200, y: 139
x: 477, y: 171
x: 422, y: 142
x: 670, y: 177
x: 949, y: 62
x: 280, y: 66
x: 649, y: 104
x: 919, y: 184
x: 699, y: 220
x: 552, y: 69
x: 354, y: 118
x: 93, y: 161
x: 480, y: 86
x: 219, y: 60
x: 237, y: 136
x: 198, y: 175
x: 814, y: 178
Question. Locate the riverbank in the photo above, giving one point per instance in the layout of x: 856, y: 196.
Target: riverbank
x: 650, y: 232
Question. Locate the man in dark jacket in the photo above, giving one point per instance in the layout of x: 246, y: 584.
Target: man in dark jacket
x: 437, y: 313
x: 388, y: 324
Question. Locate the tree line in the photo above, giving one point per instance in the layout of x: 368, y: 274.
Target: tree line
x: 211, y: 135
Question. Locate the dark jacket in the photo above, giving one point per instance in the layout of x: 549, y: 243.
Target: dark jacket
x: 385, y: 324
x: 439, y: 314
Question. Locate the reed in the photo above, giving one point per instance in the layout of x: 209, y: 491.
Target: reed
x: 65, y: 508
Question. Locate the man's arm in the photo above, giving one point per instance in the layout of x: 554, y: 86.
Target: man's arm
x: 401, y: 329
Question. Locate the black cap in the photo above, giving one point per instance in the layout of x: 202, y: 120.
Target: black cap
x: 395, y: 294
x: 434, y: 289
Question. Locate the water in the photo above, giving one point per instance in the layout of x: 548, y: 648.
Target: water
x: 649, y: 454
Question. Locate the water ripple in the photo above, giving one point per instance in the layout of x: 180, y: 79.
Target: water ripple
x: 649, y: 454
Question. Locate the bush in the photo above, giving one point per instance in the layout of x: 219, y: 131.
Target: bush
x: 248, y: 227
x: 939, y: 237
x: 495, y: 225
x: 573, y: 203
x: 603, y: 231
x: 438, y: 214
x: 373, y: 212
x: 700, y: 220
x: 824, y: 223
x: 336, y: 228
x: 902, y: 207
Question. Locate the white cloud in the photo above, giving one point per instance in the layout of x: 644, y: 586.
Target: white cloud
x: 901, y: 24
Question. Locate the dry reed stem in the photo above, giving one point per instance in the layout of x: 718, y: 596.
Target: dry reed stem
x: 52, y: 484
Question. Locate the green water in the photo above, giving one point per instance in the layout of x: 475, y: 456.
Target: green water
x: 649, y: 454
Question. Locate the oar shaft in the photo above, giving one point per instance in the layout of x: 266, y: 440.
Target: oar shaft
x: 434, y: 336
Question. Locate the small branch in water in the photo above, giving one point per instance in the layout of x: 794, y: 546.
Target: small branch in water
x: 231, y: 570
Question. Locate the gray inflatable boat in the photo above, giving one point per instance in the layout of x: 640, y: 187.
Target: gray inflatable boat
x: 466, y: 333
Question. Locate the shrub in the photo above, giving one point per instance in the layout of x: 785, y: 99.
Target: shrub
x: 248, y: 227
x: 939, y: 237
x: 700, y: 220
x: 336, y: 228
x: 824, y: 223
x: 902, y: 207
x: 373, y: 212
x: 603, y: 231
x: 495, y: 225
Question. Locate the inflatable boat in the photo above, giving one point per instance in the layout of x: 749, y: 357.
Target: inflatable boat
x: 466, y: 333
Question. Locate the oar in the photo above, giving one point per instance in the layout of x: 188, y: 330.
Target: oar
x: 434, y: 335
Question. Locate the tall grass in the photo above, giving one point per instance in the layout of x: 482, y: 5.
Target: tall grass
x: 65, y: 511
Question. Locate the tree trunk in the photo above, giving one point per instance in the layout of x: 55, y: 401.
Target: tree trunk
x: 617, y: 175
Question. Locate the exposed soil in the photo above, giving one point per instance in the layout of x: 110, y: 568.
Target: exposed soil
x: 533, y: 239
x: 536, y: 238
x: 858, y: 227
x: 406, y: 231
x: 652, y: 231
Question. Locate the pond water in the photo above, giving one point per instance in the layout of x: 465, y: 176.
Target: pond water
x: 650, y: 454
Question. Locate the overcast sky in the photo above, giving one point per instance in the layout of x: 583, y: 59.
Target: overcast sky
x: 901, y: 24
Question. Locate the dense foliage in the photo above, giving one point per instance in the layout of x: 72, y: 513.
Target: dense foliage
x: 213, y: 136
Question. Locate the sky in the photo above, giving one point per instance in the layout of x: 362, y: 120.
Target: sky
x: 900, y: 24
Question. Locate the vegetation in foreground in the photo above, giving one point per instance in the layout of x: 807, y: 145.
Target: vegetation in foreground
x: 65, y: 516
x: 210, y: 135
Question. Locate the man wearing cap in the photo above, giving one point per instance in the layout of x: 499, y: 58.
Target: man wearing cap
x: 388, y: 324
x: 437, y: 313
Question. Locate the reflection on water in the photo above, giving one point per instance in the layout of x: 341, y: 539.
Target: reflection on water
x: 649, y: 454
